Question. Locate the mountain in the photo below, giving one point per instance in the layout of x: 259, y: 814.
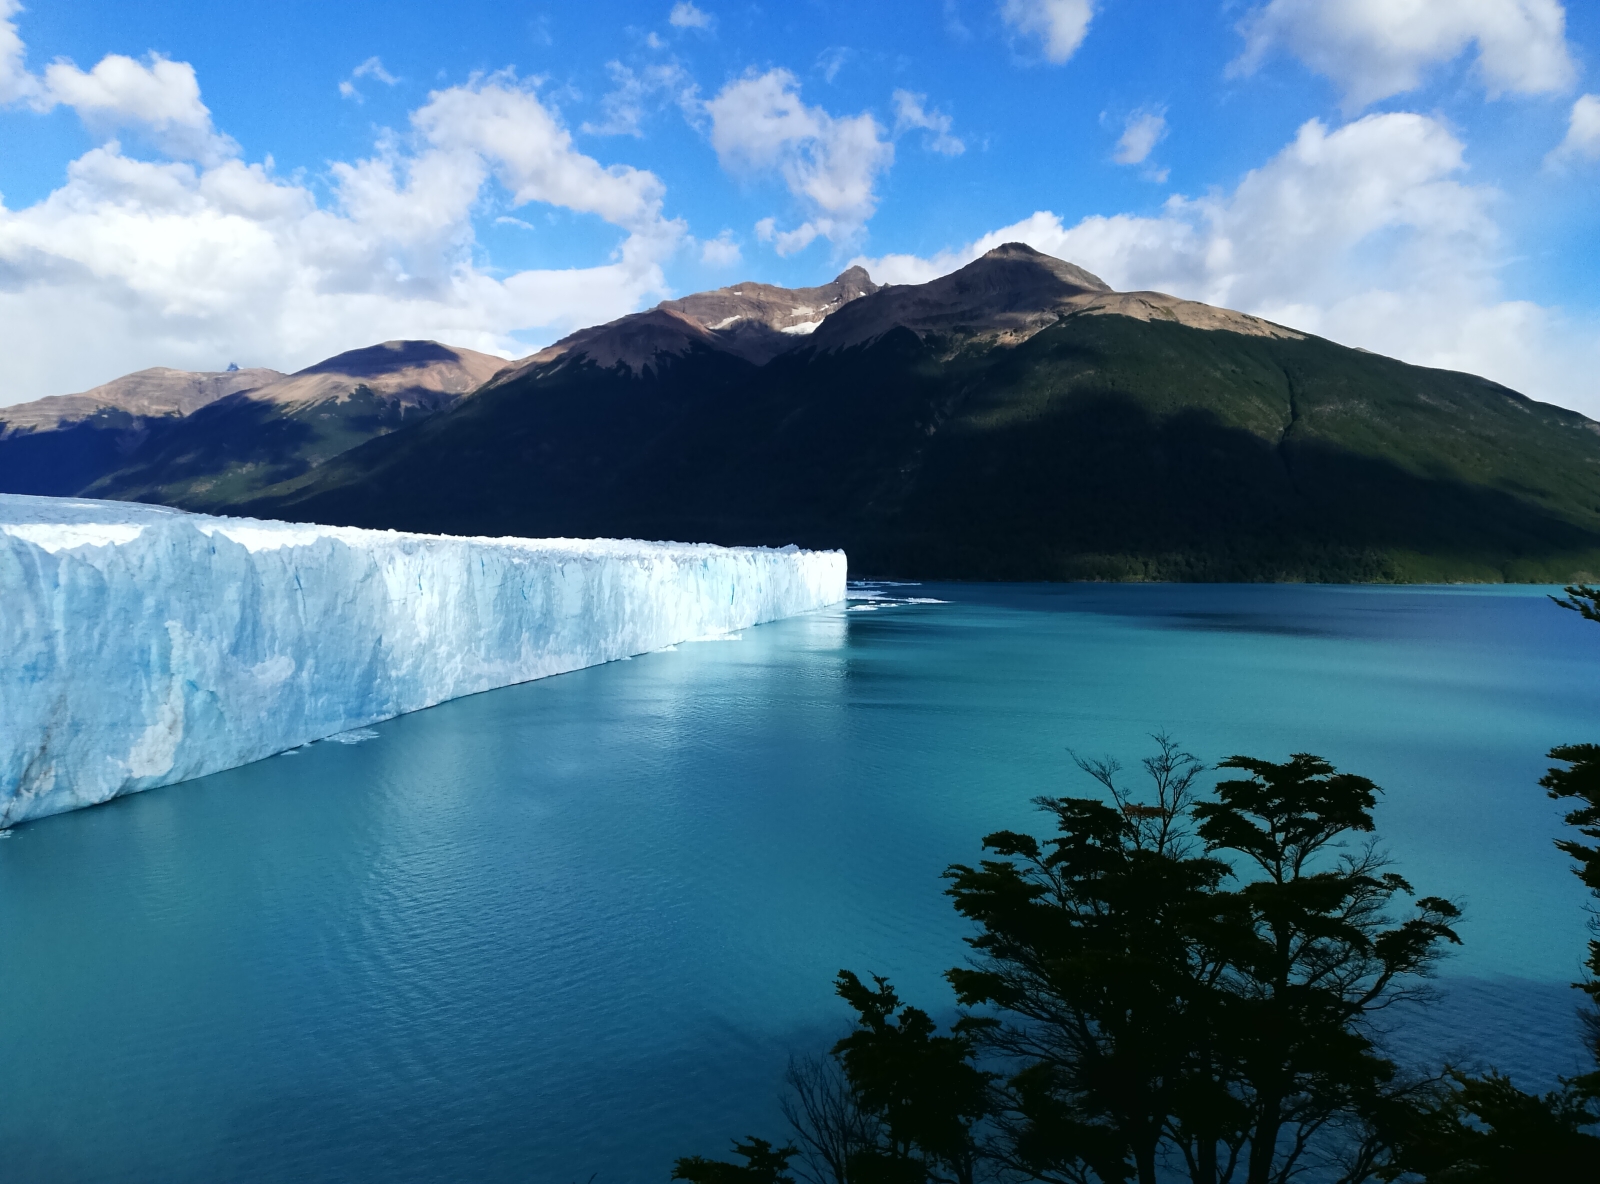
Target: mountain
x: 59, y: 445
x: 208, y: 441
x: 200, y: 440
x: 1016, y: 419
x: 755, y: 322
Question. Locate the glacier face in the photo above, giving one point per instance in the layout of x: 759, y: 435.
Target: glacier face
x: 140, y: 646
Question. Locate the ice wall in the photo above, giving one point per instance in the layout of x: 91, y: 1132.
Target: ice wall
x: 140, y: 646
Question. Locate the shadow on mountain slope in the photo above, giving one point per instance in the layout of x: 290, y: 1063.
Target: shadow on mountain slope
x: 1102, y: 448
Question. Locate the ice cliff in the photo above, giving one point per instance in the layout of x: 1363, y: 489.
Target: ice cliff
x: 140, y: 646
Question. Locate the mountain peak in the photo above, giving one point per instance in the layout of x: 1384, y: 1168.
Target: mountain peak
x: 409, y: 373
x: 1010, y: 293
x: 1021, y: 253
x: 752, y: 321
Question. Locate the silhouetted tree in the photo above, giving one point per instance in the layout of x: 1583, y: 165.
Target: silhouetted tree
x: 826, y: 1118
x: 1310, y: 951
x: 763, y: 1164
x: 921, y: 1088
x: 1145, y: 1006
x: 1094, y: 947
x: 1146, y: 1010
x: 1483, y: 1130
x: 1581, y: 780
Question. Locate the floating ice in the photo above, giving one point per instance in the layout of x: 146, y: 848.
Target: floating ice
x: 140, y: 646
x: 872, y: 592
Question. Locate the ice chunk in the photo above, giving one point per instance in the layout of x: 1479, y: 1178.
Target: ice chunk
x: 140, y: 645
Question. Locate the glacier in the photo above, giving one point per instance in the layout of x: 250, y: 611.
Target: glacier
x: 142, y: 646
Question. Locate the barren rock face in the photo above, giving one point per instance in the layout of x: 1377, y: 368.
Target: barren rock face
x: 752, y: 321
x: 410, y: 373
x: 156, y: 391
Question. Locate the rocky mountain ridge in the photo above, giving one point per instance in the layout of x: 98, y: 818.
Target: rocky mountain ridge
x: 157, y: 391
x: 1016, y: 419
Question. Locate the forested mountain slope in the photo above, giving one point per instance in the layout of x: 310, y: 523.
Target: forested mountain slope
x: 201, y: 440
x: 1014, y: 420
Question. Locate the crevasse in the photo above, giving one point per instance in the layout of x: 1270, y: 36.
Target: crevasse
x: 141, y: 646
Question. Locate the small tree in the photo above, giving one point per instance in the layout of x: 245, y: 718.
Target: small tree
x: 826, y: 1118
x: 1147, y: 1008
x: 1581, y: 780
x: 1311, y: 951
x: 1483, y: 1130
x: 763, y: 1164
x: 921, y: 1088
x: 1095, y: 948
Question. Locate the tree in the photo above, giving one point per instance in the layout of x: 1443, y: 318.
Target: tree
x: 827, y: 1118
x: 921, y: 1088
x: 763, y: 1164
x: 1166, y: 982
x: 1094, y: 947
x: 1581, y: 780
x: 1311, y: 951
x: 1483, y: 1130
x: 1146, y: 1007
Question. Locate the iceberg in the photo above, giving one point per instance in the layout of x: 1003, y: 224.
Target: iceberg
x: 142, y: 646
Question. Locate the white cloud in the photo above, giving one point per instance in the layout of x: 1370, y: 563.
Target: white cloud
x: 721, y: 251
x: 1060, y: 25
x: 371, y: 68
x: 829, y: 163
x: 1582, y: 141
x: 635, y: 93
x: 1142, y: 131
x: 685, y: 15
x: 134, y: 263
x: 910, y: 112
x: 160, y: 98
x: 15, y: 81
x: 1378, y: 48
x: 1364, y: 234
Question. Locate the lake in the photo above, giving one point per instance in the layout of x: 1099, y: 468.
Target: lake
x: 572, y: 929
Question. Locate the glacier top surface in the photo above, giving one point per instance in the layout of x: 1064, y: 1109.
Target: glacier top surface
x: 64, y: 523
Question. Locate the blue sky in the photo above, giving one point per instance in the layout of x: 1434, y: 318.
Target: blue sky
x: 191, y: 184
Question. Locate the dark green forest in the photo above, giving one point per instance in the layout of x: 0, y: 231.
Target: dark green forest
x: 1103, y: 447
x: 1183, y: 983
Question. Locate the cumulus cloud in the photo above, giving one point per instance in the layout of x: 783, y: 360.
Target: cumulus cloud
x: 159, y: 98
x: 829, y: 163
x: 371, y: 68
x: 721, y: 252
x: 1582, y: 141
x: 1060, y: 25
x: 133, y: 263
x: 15, y: 81
x: 1377, y: 48
x: 911, y: 113
x: 1366, y: 234
x: 685, y: 15
x: 1141, y: 132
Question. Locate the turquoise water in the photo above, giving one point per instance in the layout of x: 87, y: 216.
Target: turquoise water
x: 572, y: 929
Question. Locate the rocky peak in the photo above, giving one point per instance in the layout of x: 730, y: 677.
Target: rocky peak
x: 752, y: 321
x: 1009, y: 294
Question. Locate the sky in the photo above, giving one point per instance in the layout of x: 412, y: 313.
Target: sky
x: 196, y: 184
